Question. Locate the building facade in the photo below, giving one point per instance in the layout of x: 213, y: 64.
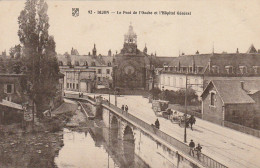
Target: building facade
x: 130, y: 67
x: 79, y: 79
x: 232, y: 100
x: 200, y: 69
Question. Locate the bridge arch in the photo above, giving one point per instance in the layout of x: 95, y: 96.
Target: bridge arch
x: 114, y: 128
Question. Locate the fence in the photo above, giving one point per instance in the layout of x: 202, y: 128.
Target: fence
x: 242, y: 128
x: 205, y: 160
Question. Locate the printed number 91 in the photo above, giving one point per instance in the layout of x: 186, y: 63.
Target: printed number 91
x: 90, y: 12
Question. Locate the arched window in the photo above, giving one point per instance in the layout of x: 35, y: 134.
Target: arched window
x: 60, y: 63
x: 93, y: 64
x: 76, y: 63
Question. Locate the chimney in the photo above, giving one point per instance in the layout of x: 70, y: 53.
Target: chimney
x: 237, y: 51
x: 242, y: 84
x: 197, y: 52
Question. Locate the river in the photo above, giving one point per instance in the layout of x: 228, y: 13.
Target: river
x: 97, y: 147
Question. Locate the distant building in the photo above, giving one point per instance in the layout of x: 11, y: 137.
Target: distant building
x: 79, y: 79
x: 103, y: 65
x: 201, y: 68
x: 12, y: 97
x: 232, y: 100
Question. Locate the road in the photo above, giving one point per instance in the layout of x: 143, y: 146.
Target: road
x: 227, y: 146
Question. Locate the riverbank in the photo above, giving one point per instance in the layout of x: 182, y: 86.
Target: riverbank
x: 21, y: 148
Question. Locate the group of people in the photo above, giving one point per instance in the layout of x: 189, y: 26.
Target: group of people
x: 124, y: 108
x: 193, y: 148
x: 81, y: 95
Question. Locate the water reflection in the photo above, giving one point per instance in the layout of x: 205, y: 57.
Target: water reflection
x: 104, y: 148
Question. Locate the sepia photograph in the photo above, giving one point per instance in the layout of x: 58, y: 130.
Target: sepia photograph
x: 129, y: 84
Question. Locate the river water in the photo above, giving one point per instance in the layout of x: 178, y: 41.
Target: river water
x: 99, y: 148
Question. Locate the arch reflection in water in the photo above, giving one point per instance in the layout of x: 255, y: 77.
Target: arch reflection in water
x: 129, y: 146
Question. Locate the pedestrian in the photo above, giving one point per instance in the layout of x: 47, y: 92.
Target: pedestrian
x: 192, y: 121
x: 192, y: 145
x: 157, y: 124
x: 126, y: 108
x: 198, y: 149
x: 123, y: 108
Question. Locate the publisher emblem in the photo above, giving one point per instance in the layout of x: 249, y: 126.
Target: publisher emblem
x: 75, y: 12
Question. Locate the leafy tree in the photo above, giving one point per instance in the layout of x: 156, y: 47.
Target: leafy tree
x: 39, y: 54
x: 15, y: 52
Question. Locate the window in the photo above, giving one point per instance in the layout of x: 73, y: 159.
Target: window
x: 68, y: 85
x: 215, y: 69
x: 181, y: 82
x: 173, y: 81
x: 99, y: 71
x: 212, y: 98
x: 9, y: 88
x: 190, y: 69
x: 93, y: 64
x: 99, y: 79
x: 256, y: 69
x: 108, y: 71
x: 243, y: 69
x: 109, y: 64
x: 229, y: 69
x: 200, y: 69
x: 73, y: 85
x: 168, y: 82
x: 196, y: 84
x: 76, y: 63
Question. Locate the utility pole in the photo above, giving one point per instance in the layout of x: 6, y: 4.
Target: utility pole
x: 185, y: 116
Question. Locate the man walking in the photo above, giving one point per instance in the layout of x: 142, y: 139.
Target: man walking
x: 157, y: 124
x: 126, y: 108
x: 198, y: 149
x: 123, y: 108
x: 192, y: 145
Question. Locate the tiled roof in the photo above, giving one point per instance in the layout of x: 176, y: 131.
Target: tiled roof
x: 231, y: 92
x: 99, y: 60
x: 187, y: 60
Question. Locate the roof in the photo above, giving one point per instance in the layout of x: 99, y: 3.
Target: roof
x: 200, y: 60
x: 82, y: 59
x: 231, y: 92
x: 11, y: 104
x: 251, y: 49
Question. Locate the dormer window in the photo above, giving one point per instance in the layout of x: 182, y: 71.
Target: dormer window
x: 256, y: 69
x: 229, y: 69
x: 215, y: 69
x: 76, y: 63
x: 200, y: 69
x: 86, y: 63
x: 243, y: 69
x: 93, y: 64
x: 190, y: 69
x: 60, y: 63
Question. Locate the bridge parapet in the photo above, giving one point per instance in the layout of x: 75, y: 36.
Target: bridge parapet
x: 203, y: 160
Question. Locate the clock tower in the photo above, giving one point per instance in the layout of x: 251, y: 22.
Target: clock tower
x: 130, y: 64
x: 130, y: 42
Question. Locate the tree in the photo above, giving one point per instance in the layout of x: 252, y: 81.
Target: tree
x: 39, y: 54
x: 15, y: 52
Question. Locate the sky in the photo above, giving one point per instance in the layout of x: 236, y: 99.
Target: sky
x: 222, y: 25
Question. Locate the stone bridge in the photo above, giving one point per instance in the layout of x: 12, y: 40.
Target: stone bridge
x: 128, y: 128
